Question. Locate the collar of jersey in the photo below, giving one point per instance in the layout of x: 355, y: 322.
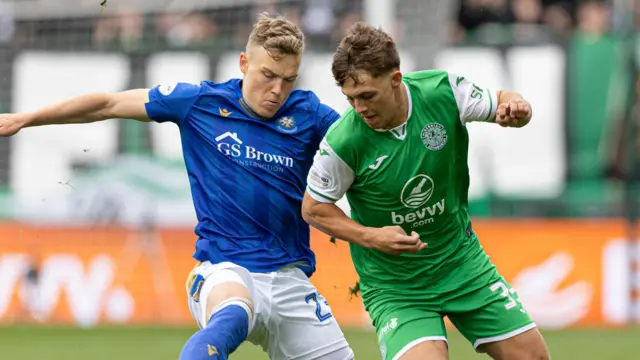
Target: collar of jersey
x: 399, y: 128
x: 249, y: 111
x: 243, y: 104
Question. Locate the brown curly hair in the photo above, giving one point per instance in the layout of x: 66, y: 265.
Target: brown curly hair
x: 364, y: 49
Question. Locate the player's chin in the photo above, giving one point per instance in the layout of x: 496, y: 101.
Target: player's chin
x: 268, y: 112
x: 372, y: 122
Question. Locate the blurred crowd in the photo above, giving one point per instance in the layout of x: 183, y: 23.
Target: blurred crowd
x: 127, y: 28
x: 525, y: 21
x: 214, y: 27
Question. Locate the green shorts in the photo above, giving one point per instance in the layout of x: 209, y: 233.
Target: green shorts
x: 490, y: 312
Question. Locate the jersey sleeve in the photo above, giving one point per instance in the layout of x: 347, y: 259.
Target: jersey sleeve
x: 330, y: 177
x: 325, y: 116
x: 171, y: 102
x: 475, y: 103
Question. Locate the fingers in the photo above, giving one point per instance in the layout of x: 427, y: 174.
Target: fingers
x: 513, y: 113
x: 394, y: 240
x: 503, y: 111
x: 519, y: 108
x: 403, y: 239
x: 399, y: 249
x: 408, y: 244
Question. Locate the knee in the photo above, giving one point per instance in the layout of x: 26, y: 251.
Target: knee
x: 522, y: 351
x: 538, y: 352
x: 541, y: 354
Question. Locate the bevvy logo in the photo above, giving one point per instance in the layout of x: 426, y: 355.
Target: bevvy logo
x: 415, y: 195
x: 246, y: 155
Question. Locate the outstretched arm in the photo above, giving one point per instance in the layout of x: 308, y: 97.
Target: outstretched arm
x: 481, y: 104
x: 81, y: 109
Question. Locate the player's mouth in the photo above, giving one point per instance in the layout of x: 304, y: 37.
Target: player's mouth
x: 370, y: 119
x: 270, y: 103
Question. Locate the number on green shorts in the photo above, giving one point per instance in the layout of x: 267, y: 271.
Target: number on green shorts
x: 506, y: 293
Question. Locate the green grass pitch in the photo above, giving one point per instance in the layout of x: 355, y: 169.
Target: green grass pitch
x: 108, y: 343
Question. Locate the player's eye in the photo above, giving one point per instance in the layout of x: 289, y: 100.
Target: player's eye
x: 290, y: 80
x: 269, y: 75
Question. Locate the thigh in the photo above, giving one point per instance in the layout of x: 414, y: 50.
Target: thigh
x: 528, y: 345
x: 406, y: 332
x: 431, y: 350
x: 299, y: 312
x: 204, y: 279
x: 492, y: 312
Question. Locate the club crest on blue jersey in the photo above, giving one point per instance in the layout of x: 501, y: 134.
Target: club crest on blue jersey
x: 287, y: 125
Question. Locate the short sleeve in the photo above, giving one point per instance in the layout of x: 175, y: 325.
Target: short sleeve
x: 475, y: 103
x: 325, y: 116
x: 330, y: 177
x: 171, y: 102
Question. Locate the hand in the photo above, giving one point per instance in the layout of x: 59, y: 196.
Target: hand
x: 10, y: 124
x: 515, y: 113
x: 394, y: 240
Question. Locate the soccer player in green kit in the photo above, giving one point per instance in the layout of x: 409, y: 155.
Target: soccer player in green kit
x: 400, y: 156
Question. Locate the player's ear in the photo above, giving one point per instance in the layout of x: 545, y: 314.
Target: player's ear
x: 244, y: 63
x: 396, y: 78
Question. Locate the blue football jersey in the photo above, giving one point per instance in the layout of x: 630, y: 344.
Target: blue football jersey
x: 247, y: 174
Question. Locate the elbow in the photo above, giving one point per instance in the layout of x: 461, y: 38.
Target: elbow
x: 307, y: 212
x: 306, y: 216
x: 309, y: 208
x: 109, y: 108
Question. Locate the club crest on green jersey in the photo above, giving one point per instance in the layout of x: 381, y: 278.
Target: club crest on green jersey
x: 434, y: 136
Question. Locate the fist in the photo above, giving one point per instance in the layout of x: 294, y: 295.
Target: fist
x: 515, y: 113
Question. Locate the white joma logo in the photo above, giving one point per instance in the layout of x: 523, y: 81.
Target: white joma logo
x: 378, y: 162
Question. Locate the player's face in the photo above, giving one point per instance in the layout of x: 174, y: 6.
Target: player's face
x: 376, y: 99
x: 267, y: 82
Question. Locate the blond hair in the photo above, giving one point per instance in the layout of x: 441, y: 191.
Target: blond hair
x: 277, y: 35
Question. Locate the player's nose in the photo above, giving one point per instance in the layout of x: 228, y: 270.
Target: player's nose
x: 276, y: 89
x: 360, y: 107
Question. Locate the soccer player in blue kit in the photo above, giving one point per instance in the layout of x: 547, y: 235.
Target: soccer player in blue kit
x: 248, y: 145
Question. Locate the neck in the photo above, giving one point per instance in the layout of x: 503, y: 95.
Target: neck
x: 400, y: 116
x: 248, y: 108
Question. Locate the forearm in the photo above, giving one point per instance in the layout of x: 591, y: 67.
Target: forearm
x: 88, y: 108
x: 331, y: 220
x: 81, y: 109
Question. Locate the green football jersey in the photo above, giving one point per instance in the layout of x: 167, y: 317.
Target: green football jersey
x: 415, y: 176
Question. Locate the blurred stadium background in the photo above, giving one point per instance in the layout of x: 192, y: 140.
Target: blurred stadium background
x: 96, y: 231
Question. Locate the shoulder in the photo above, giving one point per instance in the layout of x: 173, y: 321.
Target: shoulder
x: 431, y: 85
x: 425, y: 75
x: 345, y: 134
x: 184, y: 90
x: 305, y: 106
x: 427, y: 80
x: 303, y: 101
x: 227, y: 88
